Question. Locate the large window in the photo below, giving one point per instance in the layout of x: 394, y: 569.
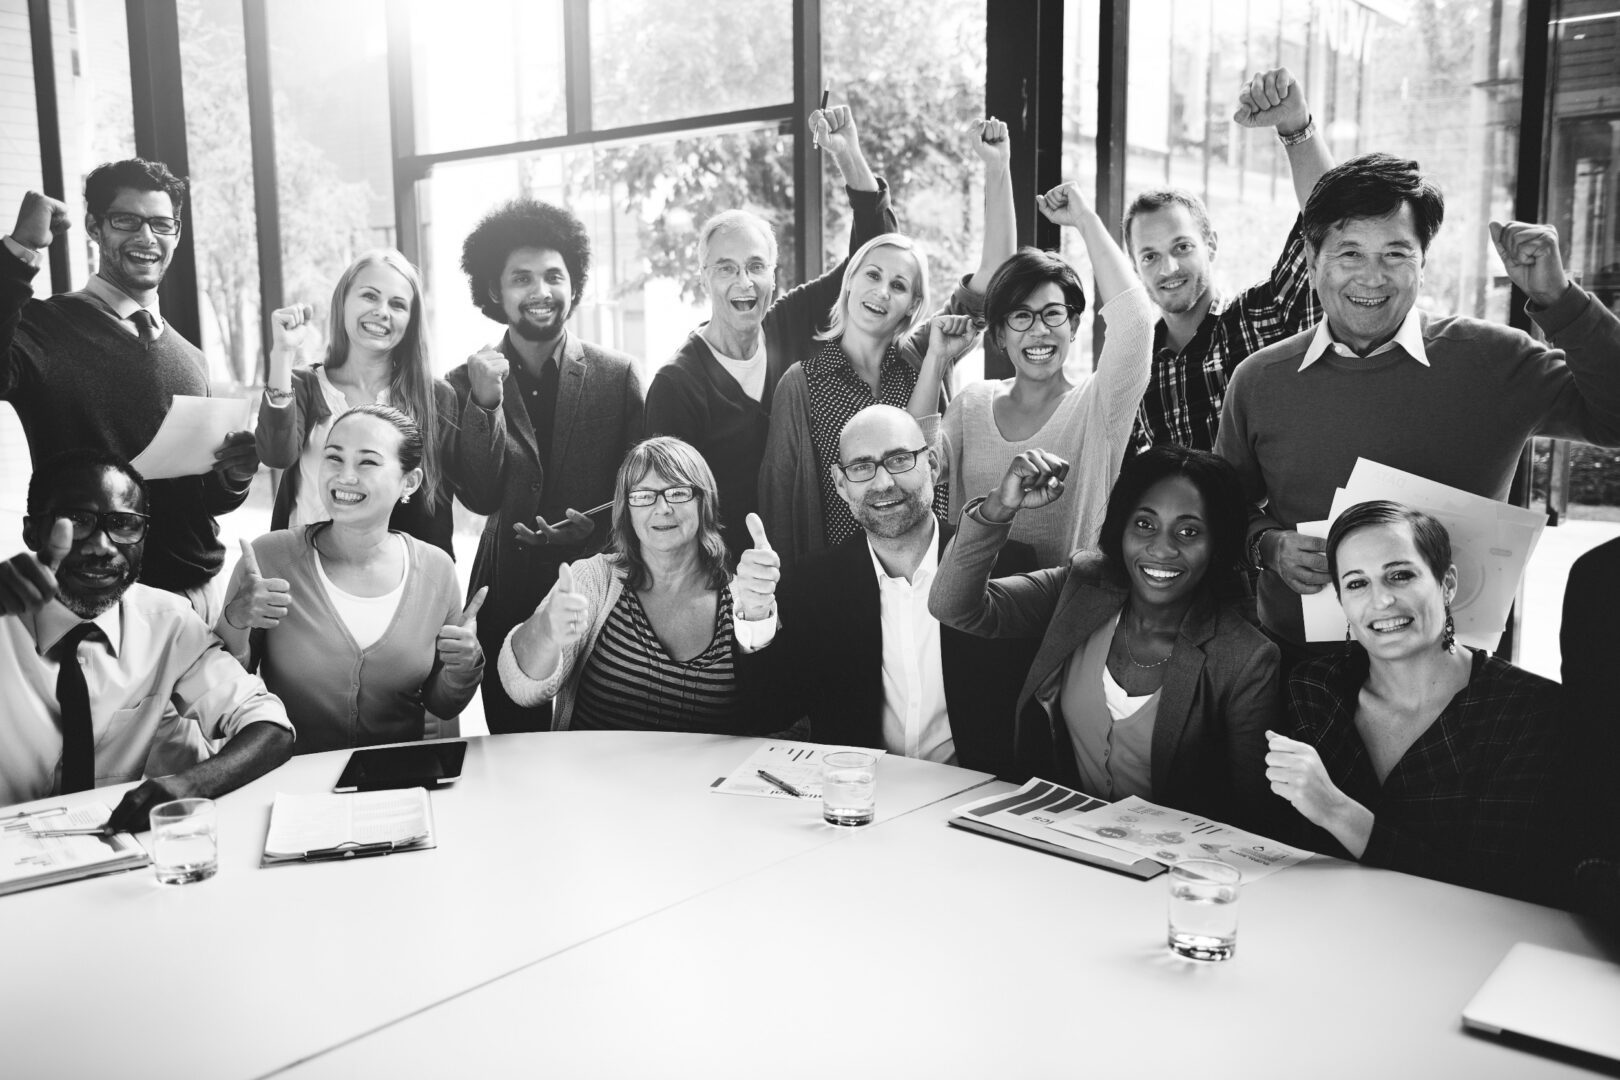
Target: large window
x: 221, y: 217
x: 1579, y: 485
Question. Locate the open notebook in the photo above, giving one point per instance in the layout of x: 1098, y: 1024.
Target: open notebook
x: 324, y: 827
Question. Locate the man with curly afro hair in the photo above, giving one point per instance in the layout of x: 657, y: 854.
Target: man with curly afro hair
x: 545, y: 420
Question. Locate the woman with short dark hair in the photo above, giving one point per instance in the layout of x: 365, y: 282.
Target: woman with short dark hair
x: 1408, y: 750
x: 1148, y: 681
x: 652, y: 633
x: 1032, y: 313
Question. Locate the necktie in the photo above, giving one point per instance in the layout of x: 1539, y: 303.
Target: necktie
x: 73, y: 698
x: 145, y: 325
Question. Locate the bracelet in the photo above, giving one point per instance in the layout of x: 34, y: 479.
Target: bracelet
x: 1304, y: 134
x: 277, y: 395
x: 1254, y: 548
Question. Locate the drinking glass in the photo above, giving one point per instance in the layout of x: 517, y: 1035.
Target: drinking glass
x: 185, y: 841
x: 1203, y: 909
x: 848, y: 788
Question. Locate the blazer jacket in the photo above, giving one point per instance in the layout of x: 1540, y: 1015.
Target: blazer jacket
x: 827, y: 660
x: 1220, y: 693
x: 497, y: 471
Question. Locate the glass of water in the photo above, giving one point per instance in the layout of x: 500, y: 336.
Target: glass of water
x: 848, y: 787
x: 185, y: 841
x: 1203, y: 909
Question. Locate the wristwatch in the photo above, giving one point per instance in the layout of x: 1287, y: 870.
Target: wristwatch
x: 1254, y: 547
x: 1304, y: 134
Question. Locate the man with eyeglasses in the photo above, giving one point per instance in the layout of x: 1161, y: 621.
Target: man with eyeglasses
x: 858, y: 652
x: 545, y: 419
x: 98, y: 368
x: 715, y: 393
x: 1201, y: 337
x: 91, y: 661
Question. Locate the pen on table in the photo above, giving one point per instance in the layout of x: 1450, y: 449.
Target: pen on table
x: 95, y: 830
x: 826, y: 94
x: 782, y: 784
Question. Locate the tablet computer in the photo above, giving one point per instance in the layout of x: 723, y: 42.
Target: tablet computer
x: 428, y: 764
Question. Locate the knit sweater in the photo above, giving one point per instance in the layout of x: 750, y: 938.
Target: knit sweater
x: 79, y: 380
x: 339, y: 695
x: 1090, y: 429
x: 1295, y: 435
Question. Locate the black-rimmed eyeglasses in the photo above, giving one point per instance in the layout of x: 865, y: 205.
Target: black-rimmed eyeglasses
x: 160, y: 226
x: 1054, y: 315
x: 901, y: 461
x: 674, y: 496
x: 121, y: 526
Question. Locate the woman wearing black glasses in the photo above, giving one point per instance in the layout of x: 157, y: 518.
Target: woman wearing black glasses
x: 1032, y: 309
x: 652, y: 634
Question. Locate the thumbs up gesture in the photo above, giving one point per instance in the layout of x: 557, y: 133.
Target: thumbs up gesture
x: 458, y: 641
x: 27, y: 580
x: 258, y: 602
x: 753, y: 590
x: 567, y: 609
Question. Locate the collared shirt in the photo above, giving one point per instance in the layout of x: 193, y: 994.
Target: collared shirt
x: 915, y: 722
x: 1408, y: 336
x: 157, y: 653
x: 111, y: 299
x: 1183, y: 400
x: 539, y: 393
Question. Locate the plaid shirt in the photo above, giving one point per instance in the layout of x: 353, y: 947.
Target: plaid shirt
x: 1183, y: 400
x: 1467, y: 803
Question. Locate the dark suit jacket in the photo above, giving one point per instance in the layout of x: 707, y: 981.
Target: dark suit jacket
x: 1590, y: 644
x: 1220, y: 690
x: 827, y: 660
x: 496, y: 470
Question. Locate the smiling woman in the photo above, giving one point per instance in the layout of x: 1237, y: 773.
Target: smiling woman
x: 357, y: 627
x: 1408, y: 750
x: 1149, y: 680
x: 654, y: 634
x: 377, y: 354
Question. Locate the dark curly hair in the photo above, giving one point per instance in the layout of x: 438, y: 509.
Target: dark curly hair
x: 1225, y: 513
x: 522, y: 223
x: 105, y: 181
x: 1372, y: 186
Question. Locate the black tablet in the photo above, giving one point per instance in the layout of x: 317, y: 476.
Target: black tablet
x: 428, y: 764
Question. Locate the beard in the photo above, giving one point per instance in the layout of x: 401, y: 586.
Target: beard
x: 87, y: 605
x: 896, y: 521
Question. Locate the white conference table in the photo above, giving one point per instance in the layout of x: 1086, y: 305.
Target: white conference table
x: 918, y: 950
x: 546, y: 842
x: 593, y: 910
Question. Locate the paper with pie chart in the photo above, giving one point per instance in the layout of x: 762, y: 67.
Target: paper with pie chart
x: 1491, y: 544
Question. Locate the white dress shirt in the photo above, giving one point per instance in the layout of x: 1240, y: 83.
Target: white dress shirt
x: 1408, y: 336
x: 915, y: 722
x: 157, y: 653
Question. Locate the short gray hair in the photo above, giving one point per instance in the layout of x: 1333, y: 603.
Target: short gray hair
x: 727, y: 221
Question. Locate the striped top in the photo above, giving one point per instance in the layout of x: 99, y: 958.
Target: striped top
x: 631, y: 683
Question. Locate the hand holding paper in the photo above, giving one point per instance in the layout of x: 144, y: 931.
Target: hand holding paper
x: 193, y: 429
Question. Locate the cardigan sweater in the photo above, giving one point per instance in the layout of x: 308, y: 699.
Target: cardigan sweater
x: 601, y: 581
x: 695, y: 398
x: 282, y: 438
x: 1295, y: 435
x: 339, y: 695
x: 1090, y: 429
x: 78, y: 379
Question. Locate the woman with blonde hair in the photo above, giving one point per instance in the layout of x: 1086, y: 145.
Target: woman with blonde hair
x: 880, y: 348
x: 376, y: 354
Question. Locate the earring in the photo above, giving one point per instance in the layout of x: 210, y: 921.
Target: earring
x: 405, y: 498
x: 1347, y: 638
x: 1448, y: 636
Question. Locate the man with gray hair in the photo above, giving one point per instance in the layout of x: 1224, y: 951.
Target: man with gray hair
x: 716, y: 391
